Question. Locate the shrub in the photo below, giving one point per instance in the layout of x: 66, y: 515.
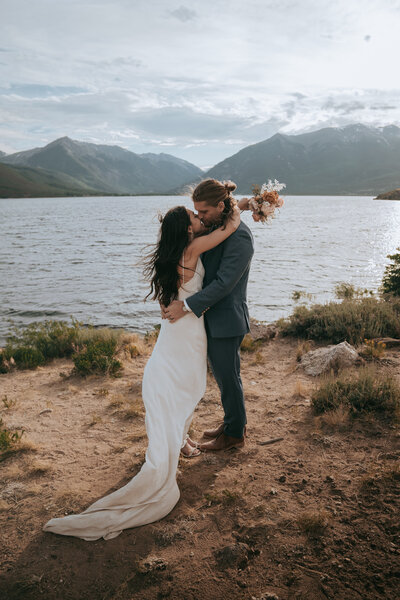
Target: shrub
x: 249, y: 344
x: 365, y: 392
x: 27, y: 357
x: 152, y: 336
x: 373, y: 349
x: 391, y: 277
x: 8, y: 439
x: 347, y: 291
x: 40, y: 342
x: 350, y: 320
x: 93, y: 349
x: 97, y: 356
x: 3, y: 363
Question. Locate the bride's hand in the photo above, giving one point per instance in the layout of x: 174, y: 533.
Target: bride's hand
x: 235, y: 217
x: 243, y: 204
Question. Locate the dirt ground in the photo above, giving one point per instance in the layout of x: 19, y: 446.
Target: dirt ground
x: 313, y: 516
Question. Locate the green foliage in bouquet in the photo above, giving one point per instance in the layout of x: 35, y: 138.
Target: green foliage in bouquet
x: 391, y: 277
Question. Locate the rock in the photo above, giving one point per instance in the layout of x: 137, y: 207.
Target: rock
x: 334, y: 357
x: 151, y: 564
x: 262, y: 331
x: 233, y: 556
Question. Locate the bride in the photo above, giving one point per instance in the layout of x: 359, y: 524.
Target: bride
x: 174, y: 381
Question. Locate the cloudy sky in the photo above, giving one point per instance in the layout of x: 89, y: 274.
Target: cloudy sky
x: 199, y: 80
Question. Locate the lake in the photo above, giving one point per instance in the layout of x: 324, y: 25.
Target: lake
x: 80, y: 256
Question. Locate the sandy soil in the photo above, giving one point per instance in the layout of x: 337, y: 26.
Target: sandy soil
x: 243, y: 527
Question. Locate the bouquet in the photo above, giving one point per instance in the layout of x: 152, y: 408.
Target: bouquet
x: 265, y: 200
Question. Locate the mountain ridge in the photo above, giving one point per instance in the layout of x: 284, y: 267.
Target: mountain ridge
x: 355, y: 159
x: 108, y: 168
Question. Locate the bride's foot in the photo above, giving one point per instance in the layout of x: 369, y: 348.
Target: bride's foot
x: 189, y: 451
x: 192, y: 443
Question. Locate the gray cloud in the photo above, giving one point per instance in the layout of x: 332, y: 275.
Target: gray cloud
x: 123, y: 73
x: 183, y: 14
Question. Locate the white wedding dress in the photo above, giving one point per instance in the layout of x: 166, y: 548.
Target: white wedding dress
x: 174, y: 381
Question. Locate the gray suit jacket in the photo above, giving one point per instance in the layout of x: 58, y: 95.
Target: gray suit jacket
x: 223, y: 297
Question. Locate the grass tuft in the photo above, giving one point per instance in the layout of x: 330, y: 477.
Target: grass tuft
x: 249, y: 344
x: 364, y: 392
x: 10, y: 441
x: 313, y: 523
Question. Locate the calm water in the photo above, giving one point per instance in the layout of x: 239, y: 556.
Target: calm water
x: 78, y: 256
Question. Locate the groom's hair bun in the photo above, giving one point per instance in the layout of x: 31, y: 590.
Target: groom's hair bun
x: 229, y: 186
x: 213, y: 191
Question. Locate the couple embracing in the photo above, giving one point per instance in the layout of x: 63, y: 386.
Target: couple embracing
x: 198, y: 272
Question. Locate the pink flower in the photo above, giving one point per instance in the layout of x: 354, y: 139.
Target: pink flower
x: 267, y: 210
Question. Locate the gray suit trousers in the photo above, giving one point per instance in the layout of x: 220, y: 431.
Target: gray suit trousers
x: 224, y: 358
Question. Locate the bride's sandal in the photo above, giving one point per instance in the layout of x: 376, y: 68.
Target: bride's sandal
x: 192, y: 443
x: 189, y: 451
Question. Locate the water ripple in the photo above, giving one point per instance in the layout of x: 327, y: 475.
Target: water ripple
x: 80, y: 256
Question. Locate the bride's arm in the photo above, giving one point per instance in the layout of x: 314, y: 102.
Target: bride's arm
x: 206, y: 242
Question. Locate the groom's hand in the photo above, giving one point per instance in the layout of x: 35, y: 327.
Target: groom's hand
x: 174, y: 311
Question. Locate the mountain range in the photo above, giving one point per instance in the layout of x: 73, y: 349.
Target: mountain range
x: 106, y: 169
x: 356, y: 160
x: 351, y: 160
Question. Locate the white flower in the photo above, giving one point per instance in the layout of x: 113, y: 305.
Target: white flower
x: 274, y: 186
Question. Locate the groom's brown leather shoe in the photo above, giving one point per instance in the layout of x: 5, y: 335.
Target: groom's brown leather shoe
x: 213, y: 433
x: 222, y: 442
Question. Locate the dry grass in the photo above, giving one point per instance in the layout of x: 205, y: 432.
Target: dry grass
x: 381, y: 474
x: 172, y: 532
x: 8, y: 402
x: 302, y: 348
x: 4, y: 505
x: 69, y: 502
x: 37, y: 467
x: 336, y: 419
x: 313, y: 523
x: 132, y: 409
x: 96, y: 419
x: 226, y: 498
x: 258, y: 359
x: 249, y: 344
x: 116, y: 402
x: 300, y: 390
x: 20, y: 448
x: 102, y: 392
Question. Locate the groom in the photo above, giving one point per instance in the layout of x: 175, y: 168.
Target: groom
x: 222, y: 301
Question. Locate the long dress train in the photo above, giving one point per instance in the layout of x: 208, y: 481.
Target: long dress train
x: 174, y: 381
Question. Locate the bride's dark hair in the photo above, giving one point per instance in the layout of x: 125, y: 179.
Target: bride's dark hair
x: 161, y: 265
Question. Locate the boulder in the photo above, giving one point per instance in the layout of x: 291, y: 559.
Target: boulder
x: 333, y: 357
x: 262, y: 331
